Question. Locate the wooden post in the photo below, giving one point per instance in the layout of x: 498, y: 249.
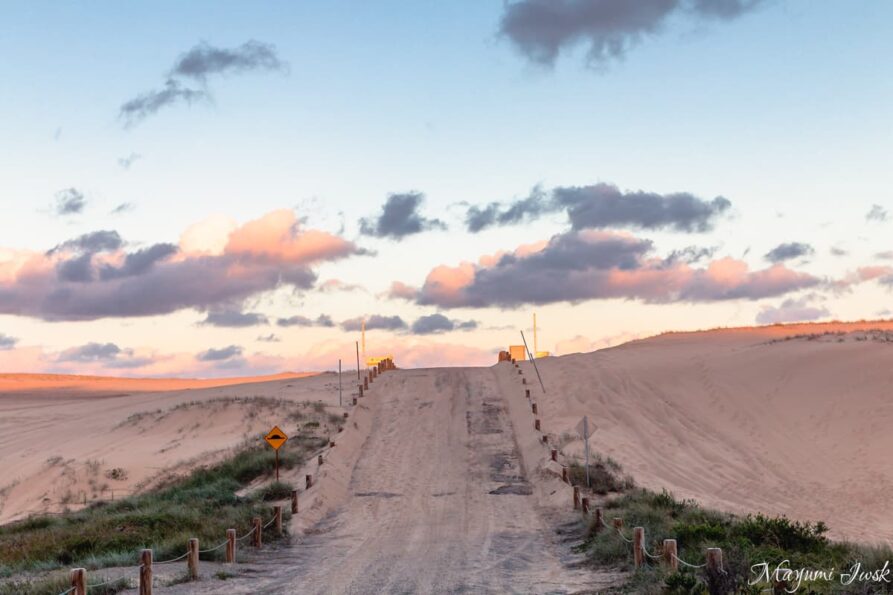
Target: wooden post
x: 714, y: 559
x: 536, y: 425
x: 527, y: 392
x: 533, y: 408
x: 346, y: 415
x: 308, y: 480
x: 258, y: 531
x: 319, y: 459
x: 360, y: 389
x: 354, y: 400
x: 294, y: 501
x: 639, y: 546
x: 618, y: 522
x: 576, y: 497
x: 365, y: 383
x: 277, y: 514
x: 545, y: 439
x: 192, y: 559
x: 584, y: 503
x: 146, y: 572
x: 554, y: 454
x: 564, y: 474
x: 523, y: 381
x: 598, y: 520
x: 519, y: 370
x: 230, y: 546
x: 669, y: 555
x: 79, y: 581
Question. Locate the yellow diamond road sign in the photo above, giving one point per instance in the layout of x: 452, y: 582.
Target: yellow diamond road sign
x: 276, y: 438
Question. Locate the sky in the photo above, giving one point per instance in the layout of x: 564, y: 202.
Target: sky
x: 229, y: 188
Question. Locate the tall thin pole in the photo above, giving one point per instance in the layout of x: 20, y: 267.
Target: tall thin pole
x: 364, y: 341
x: 586, y: 440
x: 339, y: 383
x: 542, y: 386
x: 358, y: 361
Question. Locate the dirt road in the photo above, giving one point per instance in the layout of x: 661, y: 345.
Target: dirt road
x: 439, y: 503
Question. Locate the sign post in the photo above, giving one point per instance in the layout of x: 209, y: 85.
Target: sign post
x: 339, y: 383
x: 358, y: 361
x: 276, y: 438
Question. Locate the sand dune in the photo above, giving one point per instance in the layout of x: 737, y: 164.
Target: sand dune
x: 783, y: 419
x: 66, y: 440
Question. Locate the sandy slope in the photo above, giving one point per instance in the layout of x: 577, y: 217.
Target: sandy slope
x: 439, y: 501
x: 61, y: 437
x: 741, y: 420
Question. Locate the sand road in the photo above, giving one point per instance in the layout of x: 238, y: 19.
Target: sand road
x: 439, y: 502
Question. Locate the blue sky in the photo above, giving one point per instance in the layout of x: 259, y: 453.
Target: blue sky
x: 784, y: 110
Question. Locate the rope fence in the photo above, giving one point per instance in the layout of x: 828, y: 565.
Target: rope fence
x: 78, y: 576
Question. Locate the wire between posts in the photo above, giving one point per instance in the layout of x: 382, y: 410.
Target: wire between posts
x: 213, y: 548
x: 246, y: 535
x: 67, y: 592
x: 684, y: 563
x: 172, y: 560
x: 108, y: 582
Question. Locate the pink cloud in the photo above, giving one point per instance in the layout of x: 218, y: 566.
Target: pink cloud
x: 579, y: 266
x: 93, y: 277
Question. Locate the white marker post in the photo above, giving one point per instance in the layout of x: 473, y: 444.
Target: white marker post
x: 584, y: 431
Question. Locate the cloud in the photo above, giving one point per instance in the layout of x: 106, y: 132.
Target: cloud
x: 601, y: 206
x: 375, y: 322
x: 333, y: 285
x: 542, y: 29
x: 538, y: 203
x: 584, y: 265
x: 837, y: 251
x: 126, y: 162
x: 7, y: 342
x: 233, y: 319
x: 95, y: 241
x: 93, y: 277
x: 150, y: 102
x: 138, y: 263
x: 90, y: 352
x: 885, y: 255
x: 124, y: 207
x: 205, y: 59
x: 218, y: 355
x: 196, y: 65
x: 604, y: 205
x: 323, y: 320
x: 788, y: 251
x: 401, y: 291
x: 271, y: 338
x: 877, y: 213
x: 399, y: 218
x: 438, y: 323
x: 69, y: 201
x: 791, y: 310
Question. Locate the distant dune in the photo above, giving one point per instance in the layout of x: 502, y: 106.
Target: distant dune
x: 783, y: 419
x: 93, y: 384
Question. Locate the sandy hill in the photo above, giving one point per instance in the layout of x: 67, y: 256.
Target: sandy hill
x: 782, y: 419
x: 67, y: 440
